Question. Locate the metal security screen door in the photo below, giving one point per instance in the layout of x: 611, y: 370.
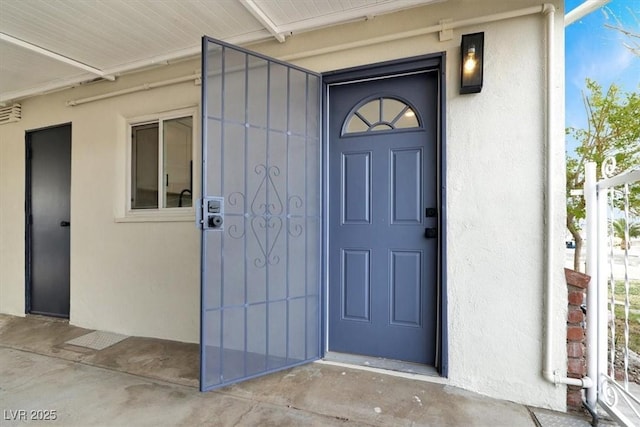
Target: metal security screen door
x: 261, y: 247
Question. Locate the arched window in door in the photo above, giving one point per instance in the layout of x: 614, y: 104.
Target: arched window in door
x: 380, y: 113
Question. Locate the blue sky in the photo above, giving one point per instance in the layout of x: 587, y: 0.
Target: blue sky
x: 593, y: 51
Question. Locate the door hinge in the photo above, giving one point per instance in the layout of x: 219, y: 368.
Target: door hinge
x: 199, y: 209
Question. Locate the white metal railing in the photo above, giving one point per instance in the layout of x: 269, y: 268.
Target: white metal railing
x: 609, y: 305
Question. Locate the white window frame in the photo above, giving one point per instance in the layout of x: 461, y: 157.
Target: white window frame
x: 162, y: 214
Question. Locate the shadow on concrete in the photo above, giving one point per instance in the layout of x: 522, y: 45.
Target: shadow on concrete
x: 144, y: 381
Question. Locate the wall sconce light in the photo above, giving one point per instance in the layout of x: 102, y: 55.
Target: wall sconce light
x: 471, y: 63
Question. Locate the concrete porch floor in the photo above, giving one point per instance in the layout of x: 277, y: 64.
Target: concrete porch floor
x: 144, y: 381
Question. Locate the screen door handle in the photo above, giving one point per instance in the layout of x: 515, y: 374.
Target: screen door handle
x: 65, y: 223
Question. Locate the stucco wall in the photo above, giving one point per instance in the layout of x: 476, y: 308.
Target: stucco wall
x: 143, y: 278
x: 131, y: 278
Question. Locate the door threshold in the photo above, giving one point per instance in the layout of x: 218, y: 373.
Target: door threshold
x: 48, y: 316
x: 397, y: 368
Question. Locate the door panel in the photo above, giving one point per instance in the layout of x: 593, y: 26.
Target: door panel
x: 356, y: 284
x: 406, y: 287
x: 382, y: 176
x: 261, y: 268
x: 48, y: 220
x: 356, y: 183
x: 406, y: 186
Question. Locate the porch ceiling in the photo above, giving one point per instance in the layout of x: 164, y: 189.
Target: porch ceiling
x: 46, y: 45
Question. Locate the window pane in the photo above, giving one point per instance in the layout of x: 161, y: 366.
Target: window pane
x: 407, y: 120
x: 381, y: 114
x: 371, y: 111
x: 177, y: 148
x: 356, y: 125
x: 144, y: 166
x: 391, y: 108
x: 381, y: 126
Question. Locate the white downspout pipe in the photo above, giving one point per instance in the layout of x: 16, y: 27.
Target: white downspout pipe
x: 601, y: 291
x: 582, y: 10
x: 550, y: 374
x: 591, y: 203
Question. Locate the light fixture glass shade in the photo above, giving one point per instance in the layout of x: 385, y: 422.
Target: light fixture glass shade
x: 471, y: 63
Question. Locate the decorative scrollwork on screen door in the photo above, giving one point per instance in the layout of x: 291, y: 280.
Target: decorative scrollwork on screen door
x: 266, y: 216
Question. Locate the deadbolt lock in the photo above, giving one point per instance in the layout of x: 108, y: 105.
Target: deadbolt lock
x: 211, y: 213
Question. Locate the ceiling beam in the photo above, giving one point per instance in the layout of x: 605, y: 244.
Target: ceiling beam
x: 53, y: 55
x: 262, y: 17
x: 192, y: 52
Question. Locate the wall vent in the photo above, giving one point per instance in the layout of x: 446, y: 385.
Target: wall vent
x: 9, y: 114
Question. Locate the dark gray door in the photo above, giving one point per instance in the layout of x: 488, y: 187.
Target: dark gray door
x: 261, y: 183
x: 48, y: 220
x: 382, y: 241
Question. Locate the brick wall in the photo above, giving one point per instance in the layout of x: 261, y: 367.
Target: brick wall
x: 576, y: 348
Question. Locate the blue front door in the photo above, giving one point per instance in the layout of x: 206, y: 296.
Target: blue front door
x: 383, y: 217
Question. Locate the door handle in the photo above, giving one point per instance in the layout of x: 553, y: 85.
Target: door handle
x: 65, y: 223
